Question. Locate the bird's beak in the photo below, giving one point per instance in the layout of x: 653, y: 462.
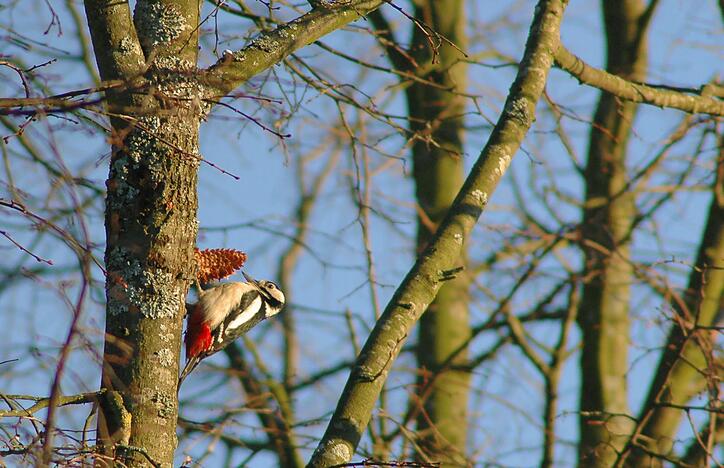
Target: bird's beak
x: 250, y: 280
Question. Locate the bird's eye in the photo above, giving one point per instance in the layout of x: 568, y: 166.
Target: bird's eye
x: 271, y: 286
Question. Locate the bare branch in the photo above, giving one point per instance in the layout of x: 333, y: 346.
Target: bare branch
x: 638, y: 92
x: 271, y: 47
x: 43, y: 402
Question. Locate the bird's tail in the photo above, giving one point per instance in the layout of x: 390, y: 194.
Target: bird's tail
x: 191, y: 364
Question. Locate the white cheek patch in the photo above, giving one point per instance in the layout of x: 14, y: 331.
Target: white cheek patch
x: 245, y: 316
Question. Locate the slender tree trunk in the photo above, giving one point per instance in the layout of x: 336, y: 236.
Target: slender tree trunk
x: 275, y: 423
x: 437, y: 125
x: 607, y: 220
x: 685, y: 368
x: 150, y: 217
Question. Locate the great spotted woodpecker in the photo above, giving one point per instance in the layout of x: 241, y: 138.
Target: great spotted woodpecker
x: 224, y: 313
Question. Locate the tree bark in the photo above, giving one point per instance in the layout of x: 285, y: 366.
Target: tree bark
x: 150, y: 218
x: 608, y: 217
x: 436, y: 125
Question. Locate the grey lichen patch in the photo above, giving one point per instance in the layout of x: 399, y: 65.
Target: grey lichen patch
x: 119, y: 259
x: 117, y: 289
x: 165, y: 297
x: 378, y: 363
x: 518, y: 111
x: 144, y: 145
x: 365, y: 373
x: 503, y: 163
x: 141, y: 144
x: 239, y: 56
x: 144, y: 138
x: 340, y: 451
x: 480, y: 197
x: 128, y: 48
x: 120, y: 166
x: 177, y: 84
x: 164, y: 334
x: 333, y: 452
x: 165, y: 404
x: 165, y: 357
x: 175, y: 63
x: 129, y: 45
x: 121, y: 192
x: 154, y: 292
x: 288, y: 31
x: 152, y: 141
x: 158, y: 23
x: 264, y: 43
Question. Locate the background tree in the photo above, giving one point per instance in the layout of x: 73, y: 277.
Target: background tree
x: 436, y: 106
x: 377, y: 135
x: 609, y: 213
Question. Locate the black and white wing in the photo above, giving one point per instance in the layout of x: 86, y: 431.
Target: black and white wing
x: 250, y: 312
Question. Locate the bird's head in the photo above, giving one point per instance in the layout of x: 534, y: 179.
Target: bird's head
x: 270, y: 292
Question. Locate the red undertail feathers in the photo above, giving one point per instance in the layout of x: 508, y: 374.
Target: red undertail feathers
x: 198, y: 336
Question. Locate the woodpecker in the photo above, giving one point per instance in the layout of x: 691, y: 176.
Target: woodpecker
x: 224, y: 313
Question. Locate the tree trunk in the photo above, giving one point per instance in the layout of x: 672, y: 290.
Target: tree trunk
x: 607, y: 220
x: 150, y: 217
x: 436, y: 124
x: 151, y: 230
x: 685, y: 367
